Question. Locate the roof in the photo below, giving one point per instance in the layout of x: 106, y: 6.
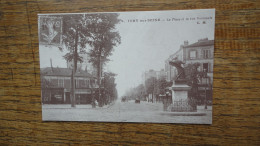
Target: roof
x: 201, y: 43
x: 56, y: 71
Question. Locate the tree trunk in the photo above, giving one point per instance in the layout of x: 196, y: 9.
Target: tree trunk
x: 99, y: 80
x: 72, y: 89
x: 93, y: 103
x: 74, y: 70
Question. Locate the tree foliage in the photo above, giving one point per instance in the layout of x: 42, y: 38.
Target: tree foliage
x: 75, y: 37
x: 162, y: 84
x: 193, y: 76
x: 192, y: 73
x: 156, y: 86
x: 94, y: 30
x: 103, y: 37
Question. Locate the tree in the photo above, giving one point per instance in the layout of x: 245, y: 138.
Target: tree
x: 103, y: 38
x: 140, y: 91
x: 162, y: 84
x: 151, y: 86
x: 193, y: 75
x: 75, y: 37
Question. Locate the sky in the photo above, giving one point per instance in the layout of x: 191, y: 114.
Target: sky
x: 146, y: 45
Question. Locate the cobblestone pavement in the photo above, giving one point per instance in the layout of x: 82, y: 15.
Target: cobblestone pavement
x: 123, y: 112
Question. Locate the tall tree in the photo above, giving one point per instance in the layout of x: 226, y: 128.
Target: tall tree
x: 75, y: 37
x: 103, y: 39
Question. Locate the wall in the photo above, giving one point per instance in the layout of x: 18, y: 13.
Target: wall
x: 236, y: 96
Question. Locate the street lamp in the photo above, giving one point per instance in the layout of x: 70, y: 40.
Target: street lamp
x: 206, y: 78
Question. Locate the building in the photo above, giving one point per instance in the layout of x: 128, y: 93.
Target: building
x: 201, y: 52
x: 56, y: 86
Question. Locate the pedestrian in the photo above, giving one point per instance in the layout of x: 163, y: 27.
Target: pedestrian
x: 96, y: 103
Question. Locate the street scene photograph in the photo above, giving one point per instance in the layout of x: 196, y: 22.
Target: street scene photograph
x: 141, y: 66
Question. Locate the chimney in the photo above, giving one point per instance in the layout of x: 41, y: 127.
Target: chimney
x: 186, y: 43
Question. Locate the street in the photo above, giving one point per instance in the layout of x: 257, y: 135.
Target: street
x: 125, y: 112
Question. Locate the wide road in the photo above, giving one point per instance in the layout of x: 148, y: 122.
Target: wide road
x: 121, y: 112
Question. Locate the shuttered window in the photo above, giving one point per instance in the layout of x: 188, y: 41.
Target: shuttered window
x: 206, y: 54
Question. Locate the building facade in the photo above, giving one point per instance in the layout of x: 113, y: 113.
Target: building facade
x: 201, y: 52
x: 56, y: 86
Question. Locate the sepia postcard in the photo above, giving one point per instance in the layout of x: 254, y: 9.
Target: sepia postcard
x: 141, y: 66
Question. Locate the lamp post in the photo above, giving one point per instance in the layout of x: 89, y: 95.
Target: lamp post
x: 206, y: 78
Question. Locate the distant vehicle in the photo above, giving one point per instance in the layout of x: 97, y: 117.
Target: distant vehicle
x: 124, y: 99
x: 137, y: 101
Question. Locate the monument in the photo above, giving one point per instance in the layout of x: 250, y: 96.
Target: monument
x: 180, y: 99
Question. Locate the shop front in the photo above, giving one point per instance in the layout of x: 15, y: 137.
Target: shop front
x: 53, y: 95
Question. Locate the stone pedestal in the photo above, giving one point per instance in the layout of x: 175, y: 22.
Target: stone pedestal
x: 180, y: 100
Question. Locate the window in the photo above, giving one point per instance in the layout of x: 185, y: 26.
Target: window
x: 206, y: 54
x: 60, y: 83
x: 193, y: 55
